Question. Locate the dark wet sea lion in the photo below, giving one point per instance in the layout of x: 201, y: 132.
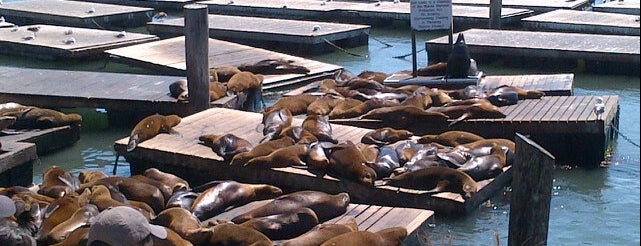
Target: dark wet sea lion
x: 386, y: 135
x: 326, y: 206
x: 286, y: 225
x: 450, y: 138
x: 319, y: 126
x: 436, y: 179
x: 151, y: 126
x: 230, y: 234
x: 347, y: 161
x: 386, y: 162
x: 405, y: 150
x: 261, y: 149
x: 184, y: 223
x: 274, y: 66
x: 179, y: 90
x: 244, y: 81
x: 296, y: 104
x: 488, y: 143
x: 274, y: 121
x: 486, y: 166
x: 321, y: 233
x: 42, y: 118
x: 172, y: 180
x: 458, y: 62
x: 404, y: 115
x: 226, y: 145
x: 393, y: 236
x: 294, y: 155
x: 225, y: 194
x: 181, y: 198
x: 79, y: 218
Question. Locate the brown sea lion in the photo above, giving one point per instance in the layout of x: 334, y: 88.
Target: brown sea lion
x: 296, y: 104
x: 436, y: 179
x: 294, y: 155
x: 102, y: 197
x: 244, y: 81
x: 373, y: 75
x: 217, y: 90
x: 439, y: 97
x: 327, y: 85
x: 79, y: 236
x: 361, y: 108
x: 299, y: 135
x: 179, y: 90
x: 165, y: 189
x: 486, y: 166
x: 173, y: 181
x: 488, y: 143
x: 57, y: 182
x: 230, y: 234
x: 274, y: 121
x: 61, y: 210
x: 172, y: 239
x: 393, y: 236
x: 522, y: 93
x: 225, y: 194
x: 261, y: 149
x: 359, y: 83
x: 343, y: 106
x: 386, y: 135
x: 134, y: 190
x: 450, y: 138
x: 79, y: 218
x: 326, y: 206
x: 436, y: 69
x: 184, y: 223
x: 369, y: 151
x: 324, y: 104
x: 227, y: 145
x: 223, y: 73
x: 151, y: 126
x: 483, y: 110
x: 403, y: 116
x: 286, y: 225
x: 274, y: 66
x: 320, y: 127
x: 321, y: 233
x: 420, y: 99
x: 42, y: 118
x: 87, y: 176
x: 347, y: 161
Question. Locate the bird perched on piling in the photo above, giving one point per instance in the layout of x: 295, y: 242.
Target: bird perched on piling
x: 599, y: 107
x: 458, y: 63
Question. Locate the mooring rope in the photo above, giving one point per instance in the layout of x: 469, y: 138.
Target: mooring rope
x: 381, y: 41
x: 406, y: 55
x: 98, y: 25
x: 343, y: 50
x: 625, y: 137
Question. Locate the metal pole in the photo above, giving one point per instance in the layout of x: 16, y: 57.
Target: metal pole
x: 414, y: 65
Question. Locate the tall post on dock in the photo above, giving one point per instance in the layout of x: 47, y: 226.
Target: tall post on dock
x: 531, y: 193
x: 197, y: 56
x: 495, y: 14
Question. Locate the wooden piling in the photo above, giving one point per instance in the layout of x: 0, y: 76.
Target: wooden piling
x: 495, y: 14
x: 196, y: 54
x: 531, y: 193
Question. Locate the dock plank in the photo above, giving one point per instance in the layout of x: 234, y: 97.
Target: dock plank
x: 630, y: 7
x: 551, y: 84
x: 538, y: 6
x: 165, y: 5
x: 583, y: 22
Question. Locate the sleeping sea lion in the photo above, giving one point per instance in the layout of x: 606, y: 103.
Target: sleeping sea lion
x: 227, y: 145
x: 87, y: 176
x: 386, y: 135
x: 404, y: 115
x: 296, y: 104
x: 324, y: 104
x: 223, y: 73
x: 343, y: 107
x: 522, y: 93
x: 299, y: 135
x: 230, y: 234
x: 326, y: 206
x: 79, y: 236
x: 57, y: 182
x: 321, y: 233
x: 373, y: 75
x: 286, y: 225
x: 274, y: 66
x: 319, y: 126
x: 79, y: 218
x: 386, y: 162
x: 179, y: 90
x: 175, y: 182
x: 361, y: 108
x: 274, y: 121
x: 182, y: 198
x: 225, y: 194
x: 134, y: 190
x: 151, y: 126
x: 450, y: 138
x: 436, y: 69
x: 262, y: 149
x: 42, y: 118
x: 217, y: 90
x: 486, y: 166
x: 458, y: 62
x: 481, y: 110
x: 347, y: 161
x: 435, y: 179
x: 393, y: 236
x: 184, y: 223
x: 244, y: 81
x: 294, y: 155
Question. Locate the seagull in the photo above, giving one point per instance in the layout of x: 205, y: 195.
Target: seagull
x: 316, y: 28
x: 69, y: 40
x: 599, y: 107
x: 1, y: 19
x: 69, y: 32
x: 159, y: 17
x: 121, y: 34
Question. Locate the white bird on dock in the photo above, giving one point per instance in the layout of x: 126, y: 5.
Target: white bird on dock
x: 69, y: 40
x: 92, y: 10
x: 397, y: 1
x: 30, y: 36
x: 121, y: 34
x: 159, y: 17
x: 316, y: 28
x: 69, y: 32
x: 599, y: 107
x: 1, y: 19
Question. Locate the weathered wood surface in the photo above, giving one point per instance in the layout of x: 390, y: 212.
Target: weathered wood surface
x: 155, y: 4
x: 536, y: 5
x: 168, y: 57
x: 630, y: 7
x: 75, y: 13
x: 583, y: 22
x: 46, y: 140
x: 182, y: 154
x: 52, y: 42
x: 16, y: 163
x: 567, y: 126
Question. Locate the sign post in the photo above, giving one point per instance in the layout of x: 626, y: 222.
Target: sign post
x: 429, y: 15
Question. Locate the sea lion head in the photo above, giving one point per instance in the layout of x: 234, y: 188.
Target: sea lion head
x: 366, y: 175
x: 169, y: 122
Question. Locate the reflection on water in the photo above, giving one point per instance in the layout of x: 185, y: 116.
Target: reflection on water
x: 588, y: 207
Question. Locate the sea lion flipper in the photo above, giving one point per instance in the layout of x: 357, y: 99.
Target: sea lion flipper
x: 133, y: 142
x: 459, y: 119
x: 440, y: 186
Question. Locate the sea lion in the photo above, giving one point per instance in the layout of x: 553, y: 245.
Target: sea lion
x: 450, y: 138
x: 173, y: 181
x: 184, y: 223
x: 489, y: 142
x: 244, y: 81
x: 181, y: 198
x: 217, y: 90
x: 172, y: 239
x: 369, y: 151
x: 299, y: 135
x: 406, y: 149
x: 6, y: 121
x: 103, y: 197
x: 386, y: 135
x: 87, y: 176
x: 393, y: 236
x: 370, y: 86
x: 470, y: 91
x: 42, y: 118
x: 486, y: 166
x: 326, y: 206
x: 274, y: 66
x: 361, y: 108
x: 420, y: 98
x: 274, y: 121
x: 458, y: 62
x: 79, y: 218
x: 61, y: 210
x: 230, y: 234
x: 319, y: 126
x: 482, y: 110
x: 373, y: 75
x: 179, y: 90
x: 262, y: 149
x: 227, y: 145
x: 134, y: 190
x: 386, y: 162
x: 223, y: 73
x: 403, y: 116
x: 436, y: 69
x: 347, y: 161
x: 436, y: 179
x: 321, y: 233
x: 327, y: 85
x: 439, y: 97
x: 225, y: 194
x: 294, y: 155
x: 165, y: 189
x: 79, y: 236
x: 151, y: 126
x: 344, y: 106
x: 324, y: 104
x: 286, y: 225
x: 296, y: 104
x: 57, y: 182
x: 522, y: 93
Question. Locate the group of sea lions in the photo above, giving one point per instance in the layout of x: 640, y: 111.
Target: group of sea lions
x: 62, y: 209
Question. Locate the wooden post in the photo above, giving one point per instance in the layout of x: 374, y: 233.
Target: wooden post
x: 197, y: 56
x: 495, y: 14
x: 531, y: 193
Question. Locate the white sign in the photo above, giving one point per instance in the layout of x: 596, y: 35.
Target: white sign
x: 430, y: 14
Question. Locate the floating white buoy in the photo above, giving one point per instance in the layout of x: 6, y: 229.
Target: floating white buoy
x: 69, y: 40
x: 69, y: 32
x: 121, y: 34
x: 30, y: 36
x: 316, y: 28
x: 92, y: 10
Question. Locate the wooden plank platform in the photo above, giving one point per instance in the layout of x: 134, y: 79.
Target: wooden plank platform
x: 630, y: 7
x: 368, y: 217
x: 168, y: 57
x: 165, y: 5
x: 355, y: 12
x: 49, y: 41
x: 536, y: 5
x: 75, y: 13
x: 534, y: 48
x: 46, y: 140
x: 566, y: 126
x: 583, y: 22
x: 183, y: 154
x: 289, y: 36
x: 16, y: 163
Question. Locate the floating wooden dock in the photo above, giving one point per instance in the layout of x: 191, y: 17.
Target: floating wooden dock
x: 165, y: 5
x: 368, y: 217
x: 583, y: 22
x: 629, y: 7
x: 536, y: 5
x: 75, y: 13
x: 52, y: 42
x: 371, y: 13
x: 182, y: 153
x: 566, y: 126
x: 168, y: 57
x: 289, y: 36
x: 610, y: 53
